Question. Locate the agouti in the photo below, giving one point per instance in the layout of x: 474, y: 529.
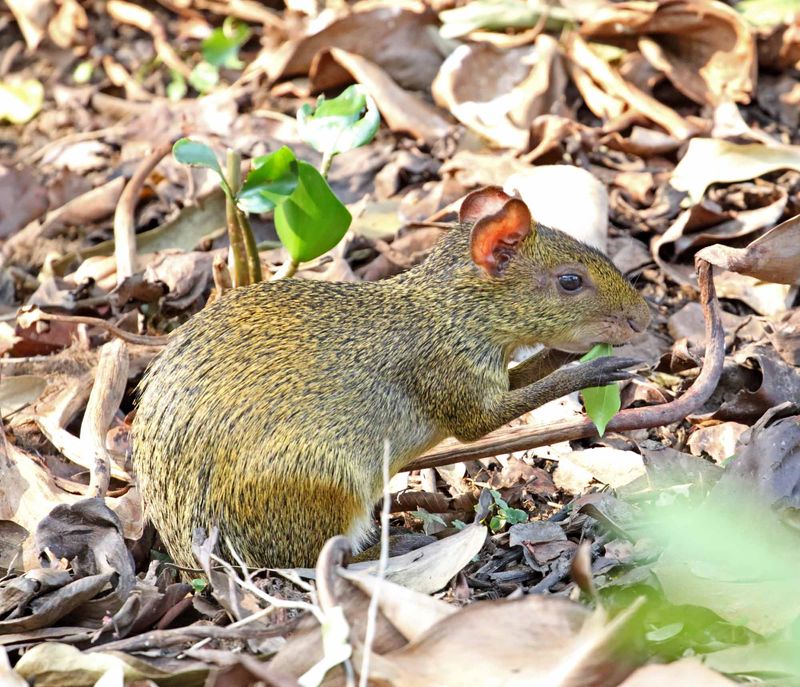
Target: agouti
x: 266, y: 413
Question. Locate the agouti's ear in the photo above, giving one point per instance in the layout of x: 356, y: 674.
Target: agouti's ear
x: 480, y: 203
x: 496, y: 238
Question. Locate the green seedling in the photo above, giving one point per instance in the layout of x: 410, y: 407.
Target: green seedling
x: 309, y: 219
x: 338, y: 125
x: 220, y: 51
x: 601, y: 402
x: 505, y: 515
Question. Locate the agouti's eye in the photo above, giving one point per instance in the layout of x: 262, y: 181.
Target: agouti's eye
x: 570, y: 282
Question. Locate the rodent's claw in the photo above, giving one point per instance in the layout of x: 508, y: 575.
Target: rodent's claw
x: 602, y: 371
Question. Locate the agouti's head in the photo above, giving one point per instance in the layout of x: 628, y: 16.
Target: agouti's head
x: 568, y: 293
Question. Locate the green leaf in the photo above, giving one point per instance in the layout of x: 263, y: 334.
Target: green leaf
x: 198, y: 584
x: 514, y: 516
x: 312, y: 220
x: 343, y: 123
x: 197, y: 154
x: 20, y: 99
x: 221, y: 48
x: 176, y: 88
x: 204, y: 77
x: 271, y: 181
x: 601, y: 402
x: 83, y: 72
x: 497, y: 523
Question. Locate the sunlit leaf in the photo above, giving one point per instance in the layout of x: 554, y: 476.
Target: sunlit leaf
x: 20, y: 100
x: 176, y: 88
x: 312, y: 220
x: 272, y: 180
x: 221, y: 48
x: 204, y: 77
x: 708, y: 161
x: 499, y: 15
x: 189, y: 152
x: 83, y: 72
x: 340, y: 124
x: 601, y: 402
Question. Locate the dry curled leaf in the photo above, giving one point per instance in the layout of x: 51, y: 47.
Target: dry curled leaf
x: 704, y: 48
x: 773, y: 257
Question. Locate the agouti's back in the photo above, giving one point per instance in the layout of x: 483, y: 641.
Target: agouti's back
x: 266, y: 413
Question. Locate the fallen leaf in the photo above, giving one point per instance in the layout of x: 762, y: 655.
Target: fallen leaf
x: 717, y: 67
x: 22, y: 198
x: 709, y: 161
x: 403, y: 111
x: 498, y: 93
x: 393, y: 31
x: 555, y: 642
x: 772, y: 257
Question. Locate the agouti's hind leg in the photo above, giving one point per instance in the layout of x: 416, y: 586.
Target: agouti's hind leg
x: 283, y: 523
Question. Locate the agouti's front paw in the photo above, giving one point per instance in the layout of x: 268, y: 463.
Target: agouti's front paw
x: 602, y: 371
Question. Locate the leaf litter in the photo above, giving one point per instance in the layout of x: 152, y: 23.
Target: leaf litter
x: 663, y: 133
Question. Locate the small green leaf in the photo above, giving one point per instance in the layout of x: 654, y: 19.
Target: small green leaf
x: 20, y: 99
x: 176, y: 88
x: 204, y: 77
x: 221, y: 48
x: 271, y: 181
x: 601, y: 402
x: 198, y: 584
x: 343, y: 123
x: 312, y: 220
x: 496, y: 523
x: 189, y: 152
x: 83, y: 72
x: 514, y: 516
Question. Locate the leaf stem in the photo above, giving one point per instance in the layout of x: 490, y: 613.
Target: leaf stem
x: 325, y: 165
x: 238, y: 251
x: 253, y: 261
x: 287, y: 269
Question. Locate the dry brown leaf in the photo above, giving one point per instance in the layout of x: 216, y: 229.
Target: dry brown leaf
x: 773, y: 257
x: 32, y: 17
x: 531, y: 641
x: 704, y: 48
x: 718, y: 440
x: 68, y: 25
x: 609, y: 80
x: 400, y: 42
x: 22, y: 199
x: 499, y: 93
x: 785, y: 336
x: 402, y: 111
x: 431, y: 567
x: 707, y: 223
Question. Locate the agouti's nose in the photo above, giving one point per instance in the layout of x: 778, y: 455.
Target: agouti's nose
x: 637, y: 325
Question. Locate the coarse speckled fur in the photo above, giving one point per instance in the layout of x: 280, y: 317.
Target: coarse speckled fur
x: 266, y: 413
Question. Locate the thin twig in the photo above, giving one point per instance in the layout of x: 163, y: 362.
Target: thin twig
x: 109, y: 387
x: 372, y: 611
x: 124, y: 224
x: 129, y: 337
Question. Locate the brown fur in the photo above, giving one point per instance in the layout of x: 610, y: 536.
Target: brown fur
x: 266, y: 414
